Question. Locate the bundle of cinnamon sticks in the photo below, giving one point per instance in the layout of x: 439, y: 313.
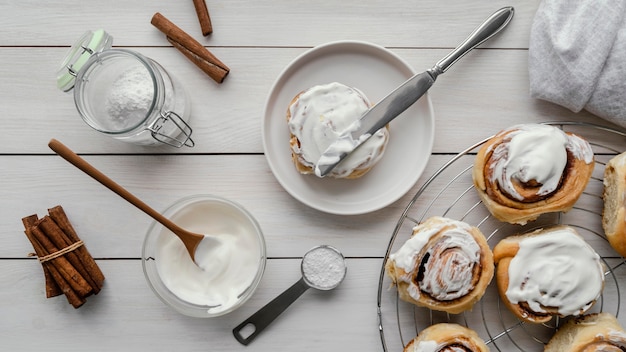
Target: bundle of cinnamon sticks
x: 68, y: 266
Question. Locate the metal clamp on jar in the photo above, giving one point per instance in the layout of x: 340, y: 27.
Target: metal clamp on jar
x: 124, y: 94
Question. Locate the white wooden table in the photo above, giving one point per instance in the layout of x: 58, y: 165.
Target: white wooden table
x: 485, y: 92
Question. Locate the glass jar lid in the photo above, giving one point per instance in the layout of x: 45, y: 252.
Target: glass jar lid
x: 89, y: 43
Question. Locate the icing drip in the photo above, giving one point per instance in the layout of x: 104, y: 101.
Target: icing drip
x: 536, y: 155
x: 446, y: 266
x: 321, y: 115
x: 557, y: 269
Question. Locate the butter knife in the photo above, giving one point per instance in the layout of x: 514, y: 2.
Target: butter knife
x: 405, y: 95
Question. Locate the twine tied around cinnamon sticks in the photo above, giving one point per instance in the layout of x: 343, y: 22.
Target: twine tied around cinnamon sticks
x: 68, y: 266
x: 58, y: 253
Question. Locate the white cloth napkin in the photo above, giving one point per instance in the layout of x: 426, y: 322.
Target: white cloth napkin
x: 577, y: 56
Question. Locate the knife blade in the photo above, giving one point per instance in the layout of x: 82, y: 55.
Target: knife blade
x: 405, y: 95
x: 374, y: 119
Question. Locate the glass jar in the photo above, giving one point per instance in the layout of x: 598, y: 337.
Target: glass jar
x: 124, y: 94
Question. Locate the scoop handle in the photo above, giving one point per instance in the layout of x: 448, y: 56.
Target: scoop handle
x: 264, y: 316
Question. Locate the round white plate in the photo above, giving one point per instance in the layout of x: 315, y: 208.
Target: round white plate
x: 375, y: 71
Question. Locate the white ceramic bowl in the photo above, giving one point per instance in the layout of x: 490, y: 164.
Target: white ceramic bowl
x: 208, y: 215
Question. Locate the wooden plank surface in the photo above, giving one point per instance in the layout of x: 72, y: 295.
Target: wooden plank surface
x: 228, y: 118
x: 485, y: 92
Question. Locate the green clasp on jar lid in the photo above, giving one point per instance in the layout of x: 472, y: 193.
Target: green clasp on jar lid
x: 89, y: 43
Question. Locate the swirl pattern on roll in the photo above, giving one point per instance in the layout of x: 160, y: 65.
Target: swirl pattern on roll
x: 446, y: 265
x: 548, y: 272
x: 446, y: 337
x: 531, y: 169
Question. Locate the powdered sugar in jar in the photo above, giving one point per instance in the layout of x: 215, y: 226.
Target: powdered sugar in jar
x: 124, y: 94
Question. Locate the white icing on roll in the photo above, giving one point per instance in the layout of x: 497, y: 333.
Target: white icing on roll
x: 320, y: 115
x: 434, y: 346
x: 535, y: 152
x: 442, y: 279
x: 617, y: 337
x: 426, y: 346
x: 557, y: 269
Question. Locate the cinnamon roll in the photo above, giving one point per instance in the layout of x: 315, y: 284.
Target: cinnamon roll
x: 446, y: 337
x: 318, y: 116
x: 532, y: 169
x: 548, y: 272
x: 446, y: 265
x: 614, y: 212
x: 593, y: 332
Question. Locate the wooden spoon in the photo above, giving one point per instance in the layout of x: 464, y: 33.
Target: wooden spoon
x: 190, y: 239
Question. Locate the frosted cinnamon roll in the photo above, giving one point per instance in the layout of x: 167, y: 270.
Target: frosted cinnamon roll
x: 548, y: 272
x: 532, y: 169
x: 589, y: 333
x: 446, y: 337
x: 446, y: 265
x: 318, y: 116
x: 614, y: 195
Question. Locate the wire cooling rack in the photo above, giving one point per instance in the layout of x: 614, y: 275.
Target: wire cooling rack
x: 449, y: 192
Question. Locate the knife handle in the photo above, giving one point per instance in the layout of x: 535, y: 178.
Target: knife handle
x: 492, y: 25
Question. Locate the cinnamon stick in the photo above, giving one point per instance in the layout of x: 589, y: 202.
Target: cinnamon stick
x: 69, y: 273
x: 191, y: 48
x: 61, y: 240
x: 216, y: 73
x: 52, y: 288
x: 72, y: 297
x: 68, y: 266
x: 60, y: 218
x: 56, y: 277
x: 203, y: 16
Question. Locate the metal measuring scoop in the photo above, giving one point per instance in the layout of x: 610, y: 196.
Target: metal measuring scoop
x: 323, y: 268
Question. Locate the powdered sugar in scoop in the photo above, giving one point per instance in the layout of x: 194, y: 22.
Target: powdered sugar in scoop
x: 323, y: 267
